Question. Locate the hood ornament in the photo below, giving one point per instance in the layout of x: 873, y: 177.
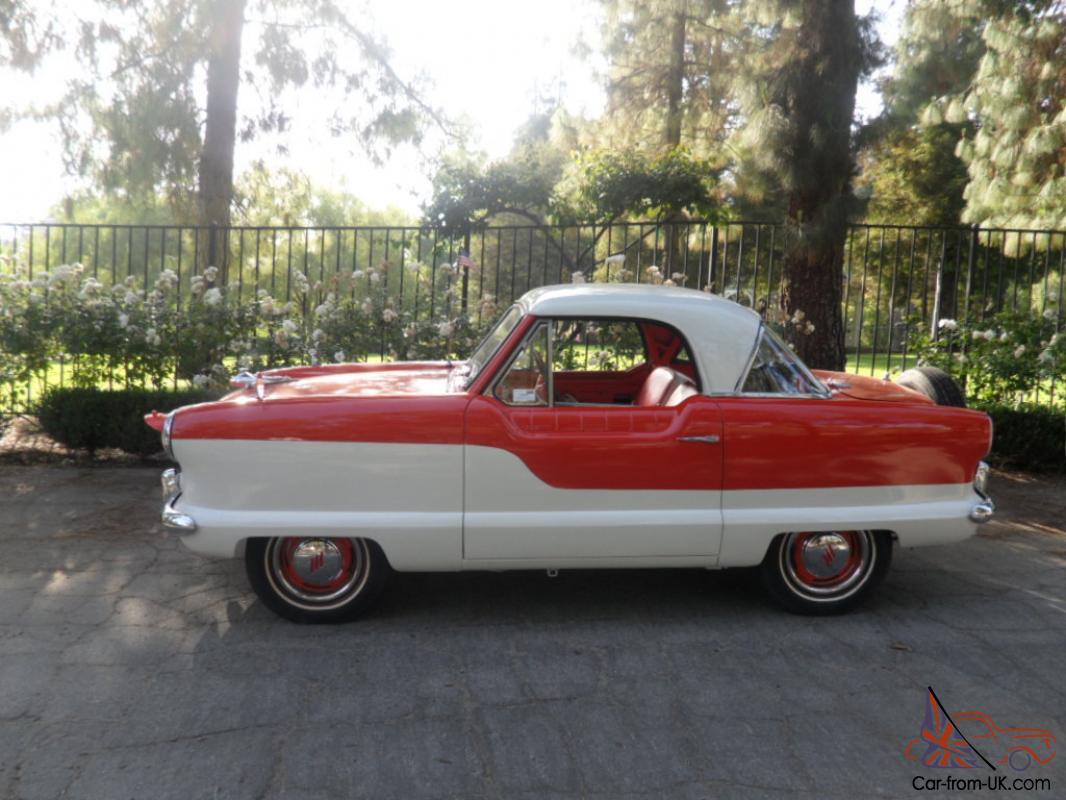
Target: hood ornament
x: 246, y: 380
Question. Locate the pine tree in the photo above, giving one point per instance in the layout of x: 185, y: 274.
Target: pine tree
x: 669, y: 75
x: 1017, y: 156
x: 804, y: 60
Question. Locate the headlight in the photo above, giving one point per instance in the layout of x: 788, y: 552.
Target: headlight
x: 980, y: 479
x: 165, y: 436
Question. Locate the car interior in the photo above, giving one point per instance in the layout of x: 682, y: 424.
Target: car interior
x: 601, y: 362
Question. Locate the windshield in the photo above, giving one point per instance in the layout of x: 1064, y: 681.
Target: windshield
x: 491, y: 343
x: 777, y: 370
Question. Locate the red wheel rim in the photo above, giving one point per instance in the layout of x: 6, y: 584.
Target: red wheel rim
x: 332, y: 581
x: 839, y: 554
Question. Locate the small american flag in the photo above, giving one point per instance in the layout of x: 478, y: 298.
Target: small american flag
x: 465, y: 260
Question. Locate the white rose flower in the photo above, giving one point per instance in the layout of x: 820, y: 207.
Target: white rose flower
x: 948, y: 324
x: 200, y: 380
x: 389, y: 315
x: 210, y: 274
x: 375, y: 277
x: 123, y: 320
x: 1019, y: 351
x: 577, y: 277
x: 338, y: 356
x: 289, y: 326
x: 357, y: 274
x: 280, y: 339
x: 617, y: 258
x: 446, y: 329
x: 213, y: 296
x: 1045, y: 357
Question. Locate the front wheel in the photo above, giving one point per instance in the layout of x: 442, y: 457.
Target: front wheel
x: 825, y: 572
x: 316, y: 579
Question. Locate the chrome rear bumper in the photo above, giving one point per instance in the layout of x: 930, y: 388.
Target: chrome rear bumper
x: 171, y: 517
x: 983, y: 511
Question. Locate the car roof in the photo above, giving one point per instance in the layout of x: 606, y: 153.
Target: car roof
x: 721, y: 333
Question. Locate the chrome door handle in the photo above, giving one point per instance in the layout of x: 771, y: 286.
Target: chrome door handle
x: 712, y: 439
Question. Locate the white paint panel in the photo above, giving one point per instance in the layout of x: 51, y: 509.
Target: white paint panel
x: 512, y: 514
x: 919, y: 515
x: 407, y: 497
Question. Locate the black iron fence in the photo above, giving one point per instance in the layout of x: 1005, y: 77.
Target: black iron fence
x: 894, y: 275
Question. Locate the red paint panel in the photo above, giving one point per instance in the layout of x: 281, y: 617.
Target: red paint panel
x: 785, y: 443
x: 411, y: 419
x: 605, y: 447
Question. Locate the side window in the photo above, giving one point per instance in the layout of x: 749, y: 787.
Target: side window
x: 527, y: 381
x: 597, y: 345
x: 776, y: 370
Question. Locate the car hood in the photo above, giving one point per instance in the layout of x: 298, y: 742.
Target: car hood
x: 862, y: 387
x: 421, y: 378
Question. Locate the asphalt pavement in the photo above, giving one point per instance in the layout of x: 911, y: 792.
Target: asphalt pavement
x: 130, y: 668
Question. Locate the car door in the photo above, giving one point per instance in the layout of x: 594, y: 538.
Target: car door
x: 549, y: 483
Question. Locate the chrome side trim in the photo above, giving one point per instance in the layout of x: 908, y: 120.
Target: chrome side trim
x: 711, y: 439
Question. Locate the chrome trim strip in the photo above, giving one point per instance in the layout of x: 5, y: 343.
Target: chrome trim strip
x: 711, y: 439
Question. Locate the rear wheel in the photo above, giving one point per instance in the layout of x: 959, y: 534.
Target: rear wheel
x: 316, y: 579
x: 825, y: 572
x: 935, y: 384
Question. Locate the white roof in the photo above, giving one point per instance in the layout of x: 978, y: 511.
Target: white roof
x: 721, y: 333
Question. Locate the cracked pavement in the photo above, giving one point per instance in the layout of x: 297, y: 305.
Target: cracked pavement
x: 130, y: 668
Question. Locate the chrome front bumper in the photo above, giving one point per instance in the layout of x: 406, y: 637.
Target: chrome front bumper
x: 171, y: 517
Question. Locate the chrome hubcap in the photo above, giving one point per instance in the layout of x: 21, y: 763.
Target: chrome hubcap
x: 318, y: 562
x: 825, y: 554
x: 317, y: 573
x: 826, y: 565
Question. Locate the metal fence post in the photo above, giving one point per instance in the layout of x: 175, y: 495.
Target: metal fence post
x: 466, y: 270
x: 713, y: 267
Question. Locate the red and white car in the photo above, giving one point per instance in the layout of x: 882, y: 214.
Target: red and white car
x: 595, y: 426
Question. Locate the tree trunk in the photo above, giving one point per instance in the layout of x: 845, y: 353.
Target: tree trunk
x: 220, y: 131
x: 822, y: 106
x: 675, y: 94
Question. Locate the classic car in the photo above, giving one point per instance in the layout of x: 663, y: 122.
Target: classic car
x: 596, y: 426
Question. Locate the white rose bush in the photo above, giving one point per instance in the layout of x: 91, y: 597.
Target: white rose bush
x: 65, y: 325
x: 1003, y: 359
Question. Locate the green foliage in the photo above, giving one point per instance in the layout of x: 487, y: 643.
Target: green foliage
x: 93, y: 419
x: 284, y: 197
x: 1028, y: 436
x: 1018, y: 95
x: 137, y: 338
x: 671, y: 65
x: 1000, y: 360
x: 608, y: 185
x: 467, y: 191
x: 992, y: 71
x: 913, y: 177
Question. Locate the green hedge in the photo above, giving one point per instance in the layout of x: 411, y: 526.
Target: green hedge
x: 93, y: 419
x: 1028, y: 437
